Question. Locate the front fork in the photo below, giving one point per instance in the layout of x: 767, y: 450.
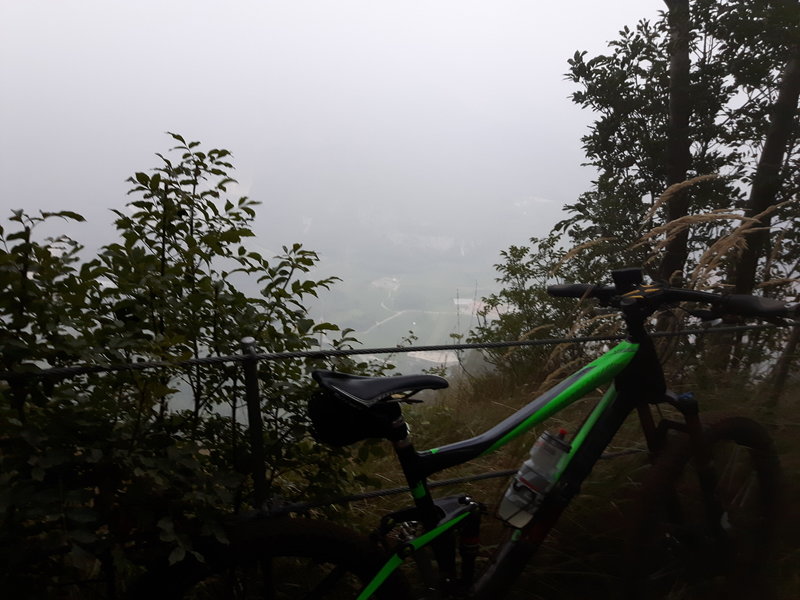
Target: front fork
x: 700, y: 452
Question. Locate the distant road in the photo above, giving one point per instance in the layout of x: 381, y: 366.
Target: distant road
x: 399, y: 313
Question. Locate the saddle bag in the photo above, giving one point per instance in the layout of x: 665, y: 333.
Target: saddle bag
x: 337, y: 421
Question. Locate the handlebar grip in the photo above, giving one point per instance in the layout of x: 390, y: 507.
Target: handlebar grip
x: 757, y: 306
x: 581, y: 290
x: 735, y: 304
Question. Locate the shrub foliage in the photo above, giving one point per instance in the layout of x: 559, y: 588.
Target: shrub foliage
x: 105, y: 473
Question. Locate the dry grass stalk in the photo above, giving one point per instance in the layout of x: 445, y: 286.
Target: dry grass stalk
x: 577, y: 250
x: 555, y: 355
x: 526, y: 336
x: 735, y: 241
x: 729, y: 244
x: 673, y: 228
x: 710, y: 261
x: 558, y: 350
x: 674, y: 277
x: 556, y: 372
x: 780, y: 281
x: 556, y: 375
x: 676, y: 226
x: 774, y: 208
x: 674, y: 189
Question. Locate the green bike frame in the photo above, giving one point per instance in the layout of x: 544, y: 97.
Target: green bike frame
x: 587, y: 445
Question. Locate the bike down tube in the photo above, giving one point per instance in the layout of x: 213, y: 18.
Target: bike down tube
x: 580, y: 437
x: 596, y: 374
x: 587, y: 447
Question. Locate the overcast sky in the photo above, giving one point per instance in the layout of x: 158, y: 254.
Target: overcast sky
x: 435, y: 126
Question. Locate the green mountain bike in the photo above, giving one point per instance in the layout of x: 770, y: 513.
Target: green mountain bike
x: 702, y: 528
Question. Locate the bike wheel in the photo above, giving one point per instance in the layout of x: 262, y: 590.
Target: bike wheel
x: 282, y: 559
x: 684, y: 546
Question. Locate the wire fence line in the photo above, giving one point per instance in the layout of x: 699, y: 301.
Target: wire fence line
x: 249, y: 360
x: 278, y: 508
x: 74, y: 371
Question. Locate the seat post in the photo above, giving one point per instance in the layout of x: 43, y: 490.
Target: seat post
x: 428, y: 513
x: 409, y: 461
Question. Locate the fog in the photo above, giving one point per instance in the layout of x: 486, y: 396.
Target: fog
x: 411, y: 140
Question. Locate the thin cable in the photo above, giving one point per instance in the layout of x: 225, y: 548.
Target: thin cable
x: 64, y: 372
x: 301, y: 507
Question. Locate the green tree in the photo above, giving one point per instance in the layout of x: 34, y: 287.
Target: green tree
x: 708, y: 88
x: 522, y: 310
x: 176, y: 292
x: 47, y: 301
x: 95, y: 469
x: 737, y: 58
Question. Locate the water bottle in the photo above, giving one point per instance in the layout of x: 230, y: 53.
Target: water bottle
x: 534, y: 479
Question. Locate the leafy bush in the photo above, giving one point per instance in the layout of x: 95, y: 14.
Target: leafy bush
x: 103, y: 473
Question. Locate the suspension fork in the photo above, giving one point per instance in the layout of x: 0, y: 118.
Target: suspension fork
x: 703, y: 460
x: 699, y: 454
x: 649, y: 429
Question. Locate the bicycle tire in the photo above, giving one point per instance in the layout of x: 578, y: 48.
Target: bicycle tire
x: 677, y: 550
x: 280, y: 559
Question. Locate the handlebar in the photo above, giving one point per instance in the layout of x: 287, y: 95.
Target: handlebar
x: 654, y: 295
x: 604, y: 293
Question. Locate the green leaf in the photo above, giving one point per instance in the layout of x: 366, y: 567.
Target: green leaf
x: 177, y: 137
x: 82, y: 536
x: 304, y: 325
x: 155, y: 182
x: 177, y: 555
x: 166, y: 524
x: 81, y: 515
x: 65, y: 214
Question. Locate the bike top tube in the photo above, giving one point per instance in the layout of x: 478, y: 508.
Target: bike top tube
x: 599, y: 372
